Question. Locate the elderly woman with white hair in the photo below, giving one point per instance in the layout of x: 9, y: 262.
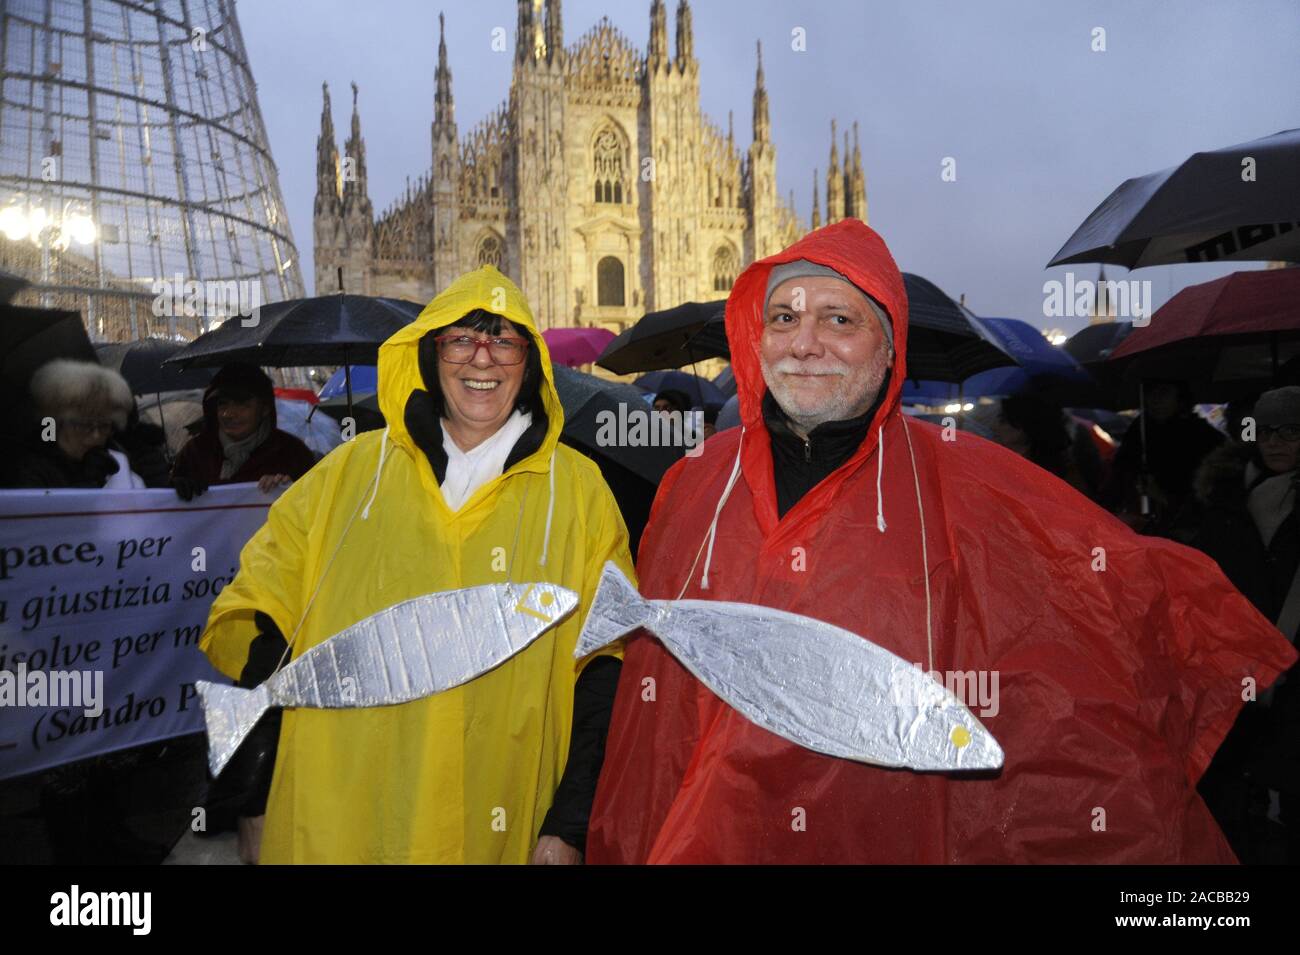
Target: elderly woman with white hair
x: 79, y: 405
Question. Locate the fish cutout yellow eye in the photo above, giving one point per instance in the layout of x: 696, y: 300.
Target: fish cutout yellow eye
x: 960, y: 737
x: 545, y: 599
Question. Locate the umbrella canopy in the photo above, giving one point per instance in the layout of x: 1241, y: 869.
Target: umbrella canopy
x: 1226, y: 338
x: 584, y: 397
x: 1043, y: 369
x: 726, y: 381
x: 1207, y: 209
x: 141, y: 364
x: 29, y: 337
x: 365, y: 381
x: 943, y: 341
x: 326, y: 330
x: 665, y: 339
x: 1094, y: 344
x: 576, y: 346
x: 699, y: 390
x: 11, y: 285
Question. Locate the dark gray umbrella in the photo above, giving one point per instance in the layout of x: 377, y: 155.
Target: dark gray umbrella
x: 10, y: 285
x: 326, y: 330
x: 1239, y: 203
x: 584, y: 397
x: 664, y: 339
x: 141, y: 364
x: 943, y: 343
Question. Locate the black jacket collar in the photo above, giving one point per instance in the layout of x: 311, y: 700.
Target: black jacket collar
x: 800, y: 464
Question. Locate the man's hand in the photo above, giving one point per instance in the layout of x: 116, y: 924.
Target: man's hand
x: 269, y: 482
x: 552, y: 850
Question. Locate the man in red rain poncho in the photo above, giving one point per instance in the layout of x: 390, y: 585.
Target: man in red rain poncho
x: 1117, y: 662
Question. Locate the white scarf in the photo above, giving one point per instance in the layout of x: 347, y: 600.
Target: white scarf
x: 467, y: 471
x: 238, y: 452
x: 1270, y: 501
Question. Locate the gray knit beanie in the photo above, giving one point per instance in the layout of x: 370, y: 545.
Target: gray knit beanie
x: 802, y: 267
x: 1278, y: 407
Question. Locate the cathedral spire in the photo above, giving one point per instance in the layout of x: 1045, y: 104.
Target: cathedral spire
x: 524, y: 31
x: 327, y: 154
x: 849, y: 208
x: 554, y: 32
x: 657, y: 53
x: 834, y: 183
x: 354, y: 177
x: 685, y: 37
x: 816, y: 209
x: 859, y: 179
x: 731, y: 130
x: 762, y: 128
x: 444, y: 108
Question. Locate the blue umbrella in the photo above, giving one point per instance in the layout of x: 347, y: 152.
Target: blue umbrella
x: 1041, y: 367
x: 365, y: 381
x: 699, y: 390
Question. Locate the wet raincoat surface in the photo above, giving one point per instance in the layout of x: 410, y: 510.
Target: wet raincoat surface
x: 466, y: 775
x: 1114, y: 686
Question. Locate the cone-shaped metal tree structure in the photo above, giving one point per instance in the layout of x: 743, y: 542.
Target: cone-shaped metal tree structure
x: 136, y: 180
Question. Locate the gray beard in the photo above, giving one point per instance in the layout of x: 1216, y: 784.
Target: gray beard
x: 840, y: 407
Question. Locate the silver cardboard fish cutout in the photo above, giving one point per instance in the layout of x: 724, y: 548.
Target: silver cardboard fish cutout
x: 407, y: 651
x: 817, y: 685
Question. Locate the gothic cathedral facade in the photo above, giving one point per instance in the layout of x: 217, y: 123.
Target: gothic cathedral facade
x: 598, y: 185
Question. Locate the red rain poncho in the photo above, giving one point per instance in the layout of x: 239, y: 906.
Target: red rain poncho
x: 1116, y: 684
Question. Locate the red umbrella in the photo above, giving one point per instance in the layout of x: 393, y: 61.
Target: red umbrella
x: 576, y: 346
x: 1225, y: 338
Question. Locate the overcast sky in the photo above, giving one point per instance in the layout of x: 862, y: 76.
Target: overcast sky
x: 1042, y: 128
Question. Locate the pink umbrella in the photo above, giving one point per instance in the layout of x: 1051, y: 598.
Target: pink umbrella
x: 576, y: 346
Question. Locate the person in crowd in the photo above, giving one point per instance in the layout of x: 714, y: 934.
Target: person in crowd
x: 1177, y: 439
x: 1119, y: 659
x: 670, y: 399
x: 79, y: 406
x: 711, y: 412
x: 145, y: 446
x: 1250, y: 526
x: 239, y: 441
x: 1038, y: 429
x: 467, y: 485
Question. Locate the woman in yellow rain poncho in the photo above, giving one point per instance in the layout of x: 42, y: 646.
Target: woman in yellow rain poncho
x: 467, y: 486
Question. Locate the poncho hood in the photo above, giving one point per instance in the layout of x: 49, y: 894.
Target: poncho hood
x: 399, y: 362
x: 853, y: 249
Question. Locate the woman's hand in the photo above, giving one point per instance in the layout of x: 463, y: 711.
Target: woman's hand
x: 269, y: 482
x: 552, y: 850
x: 249, y: 838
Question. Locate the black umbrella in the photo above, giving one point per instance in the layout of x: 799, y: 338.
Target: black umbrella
x: 943, y: 344
x: 1239, y: 203
x: 10, y: 285
x: 141, y: 364
x: 326, y: 330
x: 584, y: 397
x: 29, y: 337
x: 663, y: 339
x: 1093, y: 345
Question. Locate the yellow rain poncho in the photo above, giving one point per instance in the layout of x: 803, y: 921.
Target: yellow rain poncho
x: 466, y: 775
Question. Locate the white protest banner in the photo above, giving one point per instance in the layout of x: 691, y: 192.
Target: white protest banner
x: 103, y: 596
